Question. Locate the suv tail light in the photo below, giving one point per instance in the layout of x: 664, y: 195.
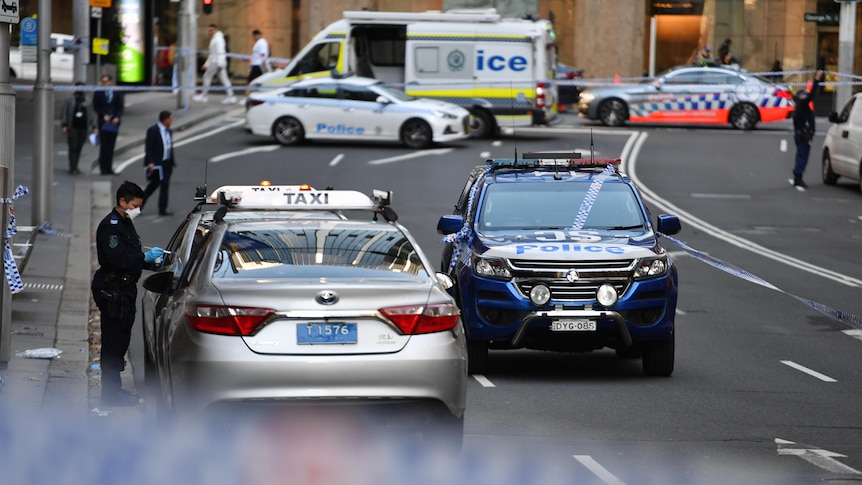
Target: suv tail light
x: 224, y: 320
x: 418, y: 319
x: 540, y: 94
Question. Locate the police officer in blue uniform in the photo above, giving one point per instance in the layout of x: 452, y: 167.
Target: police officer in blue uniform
x: 121, y: 261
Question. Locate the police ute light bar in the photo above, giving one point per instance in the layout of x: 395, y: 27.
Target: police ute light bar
x: 288, y: 198
x: 549, y: 160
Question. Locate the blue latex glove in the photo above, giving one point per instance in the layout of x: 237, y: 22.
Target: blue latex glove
x: 153, y: 255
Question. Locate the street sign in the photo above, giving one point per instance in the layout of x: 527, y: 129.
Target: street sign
x: 9, y: 12
x: 96, y: 12
x: 100, y: 3
x: 101, y: 46
x: 29, y: 29
x: 822, y: 18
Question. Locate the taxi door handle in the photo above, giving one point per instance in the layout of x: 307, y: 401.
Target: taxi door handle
x: 845, y: 134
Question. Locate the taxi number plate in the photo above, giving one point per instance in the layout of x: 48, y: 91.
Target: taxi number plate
x: 326, y: 333
x: 573, y: 326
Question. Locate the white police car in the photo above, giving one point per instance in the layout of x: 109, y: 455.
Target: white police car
x: 353, y: 108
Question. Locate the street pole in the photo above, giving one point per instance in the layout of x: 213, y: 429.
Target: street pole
x: 846, y: 37
x: 7, y: 162
x: 43, y: 139
x: 81, y: 20
x: 186, y: 53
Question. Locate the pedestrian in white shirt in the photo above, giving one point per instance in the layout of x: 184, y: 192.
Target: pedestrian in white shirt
x: 216, y: 63
x: 259, y: 56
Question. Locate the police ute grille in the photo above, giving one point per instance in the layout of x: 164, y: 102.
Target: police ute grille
x: 572, y: 280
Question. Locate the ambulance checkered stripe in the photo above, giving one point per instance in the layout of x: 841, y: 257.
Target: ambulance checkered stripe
x: 709, y: 101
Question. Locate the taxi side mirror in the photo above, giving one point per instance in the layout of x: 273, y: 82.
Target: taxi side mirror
x: 383, y: 99
x: 159, y: 282
x: 445, y: 280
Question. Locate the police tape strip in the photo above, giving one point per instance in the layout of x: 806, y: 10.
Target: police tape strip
x: 464, y: 234
x: 13, y: 277
x: 848, y: 319
x: 45, y: 228
x: 590, y: 197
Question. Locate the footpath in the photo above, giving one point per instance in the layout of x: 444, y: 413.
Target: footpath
x: 55, y: 308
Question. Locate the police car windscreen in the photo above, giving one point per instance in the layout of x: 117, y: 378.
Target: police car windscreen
x: 317, y: 250
x: 555, y: 206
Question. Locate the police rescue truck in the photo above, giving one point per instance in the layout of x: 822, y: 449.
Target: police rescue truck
x: 500, y: 69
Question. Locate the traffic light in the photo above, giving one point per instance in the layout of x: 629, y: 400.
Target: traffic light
x: 208, y: 6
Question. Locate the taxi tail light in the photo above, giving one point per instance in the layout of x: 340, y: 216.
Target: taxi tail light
x: 783, y: 93
x: 419, y: 319
x: 540, y: 94
x: 225, y: 320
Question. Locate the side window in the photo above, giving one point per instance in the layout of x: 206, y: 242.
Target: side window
x: 322, y: 91
x: 845, y: 113
x: 323, y: 57
x: 357, y: 93
x: 687, y: 77
x: 461, y: 205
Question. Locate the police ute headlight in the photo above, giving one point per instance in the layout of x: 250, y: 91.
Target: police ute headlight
x: 606, y: 295
x: 442, y: 114
x: 651, y: 267
x: 540, y: 295
x: 491, y: 267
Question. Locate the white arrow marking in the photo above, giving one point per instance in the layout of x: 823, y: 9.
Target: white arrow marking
x: 813, y: 373
x: 483, y: 380
x: 824, y: 459
x: 407, y: 156
x: 598, y: 470
x: 247, y: 151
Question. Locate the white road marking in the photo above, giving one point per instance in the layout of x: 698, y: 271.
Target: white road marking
x: 335, y: 160
x: 483, y: 380
x: 598, y: 470
x: 855, y: 333
x: 813, y: 373
x: 819, y: 457
x: 782, y: 146
x: 633, y: 145
x: 497, y: 143
x: 485, y: 155
x: 720, y: 196
x: 680, y: 312
x: 247, y: 151
x: 185, y: 141
x: 407, y: 156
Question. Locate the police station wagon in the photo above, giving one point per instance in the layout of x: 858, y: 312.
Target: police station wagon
x: 354, y: 108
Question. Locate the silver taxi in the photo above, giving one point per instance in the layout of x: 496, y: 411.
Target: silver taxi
x: 291, y: 296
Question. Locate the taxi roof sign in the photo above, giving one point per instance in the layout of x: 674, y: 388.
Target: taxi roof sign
x: 292, y: 197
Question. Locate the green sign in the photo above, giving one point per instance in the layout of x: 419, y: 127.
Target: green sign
x: 131, y: 66
x: 822, y: 18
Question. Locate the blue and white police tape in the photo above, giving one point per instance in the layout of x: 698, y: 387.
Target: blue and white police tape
x: 45, y: 228
x: 590, y: 197
x: 848, y: 319
x: 462, y: 237
x: 13, y: 277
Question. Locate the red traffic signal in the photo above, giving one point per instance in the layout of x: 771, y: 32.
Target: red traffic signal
x: 208, y: 6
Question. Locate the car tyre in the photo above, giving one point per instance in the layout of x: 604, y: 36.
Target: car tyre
x: 483, y: 124
x: 829, y: 177
x: 613, y: 112
x: 744, y: 116
x: 416, y: 133
x: 658, y: 357
x: 288, y: 130
x: 477, y: 357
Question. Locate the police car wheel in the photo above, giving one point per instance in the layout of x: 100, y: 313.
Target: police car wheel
x: 416, y: 133
x: 477, y: 357
x: 613, y: 112
x: 657, y: 358
x: 744, y: 116
x: 288, y: 131
x: 829, y: 177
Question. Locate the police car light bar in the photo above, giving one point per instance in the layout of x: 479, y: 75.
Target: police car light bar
x: 536, y: 160
x: 288, y: 197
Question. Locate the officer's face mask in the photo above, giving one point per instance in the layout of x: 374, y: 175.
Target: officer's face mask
x: 132, y: 213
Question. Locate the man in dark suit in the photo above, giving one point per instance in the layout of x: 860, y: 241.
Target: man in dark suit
x: 108, y: 106
x: 159, y: 160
